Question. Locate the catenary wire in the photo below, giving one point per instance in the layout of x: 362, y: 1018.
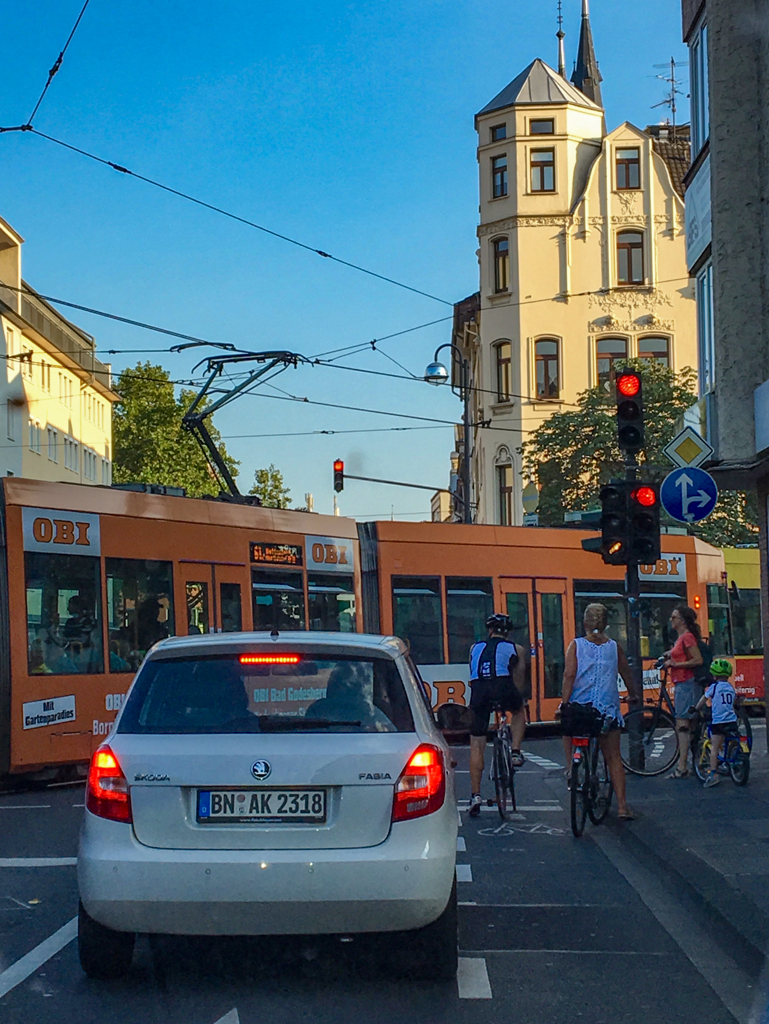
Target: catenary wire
x: 57, y: 65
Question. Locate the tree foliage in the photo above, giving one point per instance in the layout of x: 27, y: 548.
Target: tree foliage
x: 150, y: 444
x: 574, y: 453
x: 270, y: 487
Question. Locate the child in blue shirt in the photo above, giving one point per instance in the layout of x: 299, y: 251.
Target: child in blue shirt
x: 720, y: 697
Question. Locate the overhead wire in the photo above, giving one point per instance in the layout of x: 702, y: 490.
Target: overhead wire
x: 57, y: 64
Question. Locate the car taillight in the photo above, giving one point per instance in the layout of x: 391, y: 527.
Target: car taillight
x: 421, y: 789
x: 108, y: 795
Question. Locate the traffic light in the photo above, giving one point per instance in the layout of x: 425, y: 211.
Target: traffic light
x: 630, y: 411
x: 614, y: 523
x: 338, y: 475
x: 643, y: 515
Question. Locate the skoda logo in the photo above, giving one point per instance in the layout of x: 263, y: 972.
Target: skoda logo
x: 260, y: 770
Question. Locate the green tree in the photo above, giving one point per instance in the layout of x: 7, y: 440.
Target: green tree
x: 269, y: 486
x: 150, y: 444
x: 573, y: 454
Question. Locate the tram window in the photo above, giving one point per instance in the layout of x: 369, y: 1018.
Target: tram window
x: 552, y: 643
x: 657, y: 635
x: 746, y: 623
x: 469, y: 602
x: 718, y: 620
x: 140, y: 609
x: 64, y: 635
x: 609, y: 594
x: 232, y: 616
x: 518, y: 611
x: 197, y: 608
x: 278, y: 597
x: 417, y: 617
x: 331, y: 599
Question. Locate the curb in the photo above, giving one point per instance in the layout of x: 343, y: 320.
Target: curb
x: 736, y: 923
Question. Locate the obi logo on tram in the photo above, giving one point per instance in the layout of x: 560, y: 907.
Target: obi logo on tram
x: 47, y: 530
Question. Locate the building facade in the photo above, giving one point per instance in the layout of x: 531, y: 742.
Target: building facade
x: 582, y: 263
x: 55, y: 395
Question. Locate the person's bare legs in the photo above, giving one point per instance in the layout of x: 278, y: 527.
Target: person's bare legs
x: 682, y: 728
x: 610, y: 747
x: 477, y: 754
x: 716, y: 742
x: 518, y: 725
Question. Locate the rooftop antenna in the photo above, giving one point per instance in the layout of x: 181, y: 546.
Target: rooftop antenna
x: 561, y: 36
x: 673, y: 81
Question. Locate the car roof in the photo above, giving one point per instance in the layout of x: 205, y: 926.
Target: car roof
x: 232, y: 643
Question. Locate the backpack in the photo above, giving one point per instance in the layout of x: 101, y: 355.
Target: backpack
x: 702, y: 674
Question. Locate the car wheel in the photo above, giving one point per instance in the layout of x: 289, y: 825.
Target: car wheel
x: 103, y: 953
x: 430, y: 953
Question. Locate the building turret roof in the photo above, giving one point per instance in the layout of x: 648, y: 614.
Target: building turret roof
x: 538, y: 85
x: 587, y: 77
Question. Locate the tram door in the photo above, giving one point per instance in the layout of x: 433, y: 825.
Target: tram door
x: 212, y: 598
x: 538, y: 610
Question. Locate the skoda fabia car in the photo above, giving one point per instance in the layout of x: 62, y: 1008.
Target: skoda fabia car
x: 271, y: 785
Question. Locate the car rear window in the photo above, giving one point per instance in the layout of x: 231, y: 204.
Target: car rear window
x: 231, y: 694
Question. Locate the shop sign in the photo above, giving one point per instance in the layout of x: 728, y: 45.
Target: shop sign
x: 54, y: 711
x: 276, y: 554
x: 670, y: 569
x: 329, y: 554
x: 61, y: 533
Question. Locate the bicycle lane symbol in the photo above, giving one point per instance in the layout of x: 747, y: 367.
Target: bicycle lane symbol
x: 530, y: 828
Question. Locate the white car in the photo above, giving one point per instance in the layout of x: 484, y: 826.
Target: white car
x: 271, y: 785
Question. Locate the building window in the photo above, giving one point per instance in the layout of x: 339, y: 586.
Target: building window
x: 10, y: 342
x: 26, y: 363
x: 53, y: 445
x: 501, y: 265
x: 700, y: 89
x: 498, y: 132
x: 499, y: 176
x: 630, y: 257
x: 106, y: 472
x: 608, y: 352
x: 89, y: 464
x: 504, y: 371
x: 542, y: 126
x: 628, y: 169
x: 505, y: 494
x: 705, y: 332
x: 12, y: 420
x: 548, y: 375
x: 71, y: 455
x: 543, y: 170
x: 34, y: 437
x: 655, y: 350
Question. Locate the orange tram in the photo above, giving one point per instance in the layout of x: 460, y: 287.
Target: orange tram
x: 91, y: 577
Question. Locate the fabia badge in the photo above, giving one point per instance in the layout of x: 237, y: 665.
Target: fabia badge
x: 260, y: 770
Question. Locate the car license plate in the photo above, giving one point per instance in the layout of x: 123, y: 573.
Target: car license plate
x: 254, y: 805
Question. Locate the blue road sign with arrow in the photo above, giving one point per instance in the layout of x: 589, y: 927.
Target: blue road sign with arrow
x: 689, y: 494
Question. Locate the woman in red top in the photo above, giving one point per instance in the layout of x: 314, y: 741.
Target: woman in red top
x: 681, y: 662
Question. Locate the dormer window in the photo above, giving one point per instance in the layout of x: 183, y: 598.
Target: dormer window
x: 542, y: 126
x: 498, y: 132
x: 628, y: 169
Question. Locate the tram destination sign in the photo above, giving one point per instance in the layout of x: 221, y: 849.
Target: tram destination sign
x: 276, y: 554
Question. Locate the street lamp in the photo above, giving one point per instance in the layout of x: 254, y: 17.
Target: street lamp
x: 437, y: 373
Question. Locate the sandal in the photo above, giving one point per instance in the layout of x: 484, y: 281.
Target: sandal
x: 679, y: 773
x: 627, y: 815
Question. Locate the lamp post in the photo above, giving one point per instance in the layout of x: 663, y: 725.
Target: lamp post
x: 436, y: 373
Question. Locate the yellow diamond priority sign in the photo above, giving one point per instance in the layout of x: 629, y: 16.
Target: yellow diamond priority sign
x: 688, y: 449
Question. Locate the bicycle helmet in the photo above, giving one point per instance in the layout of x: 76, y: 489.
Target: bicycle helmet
x: 720, y: 668
x: 499, y: 623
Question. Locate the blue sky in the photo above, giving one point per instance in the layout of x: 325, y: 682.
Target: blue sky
x: 346, y: 125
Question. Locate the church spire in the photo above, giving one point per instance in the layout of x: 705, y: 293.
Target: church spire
x: 561, y: 36
x: 587, y: 77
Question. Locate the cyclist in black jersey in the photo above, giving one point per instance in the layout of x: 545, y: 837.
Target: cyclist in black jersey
x: 497, y: 676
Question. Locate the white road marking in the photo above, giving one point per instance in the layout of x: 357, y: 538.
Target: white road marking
x: 464, y: 873
x: 78, y: 805
x: 461, y: 844
x: 37, y: 862
x: 533, y: 807
x: 229, y: 1018
x: 473, y: 978
x: 21, y: 970
x: 466, y: 903
x: 25, y: 807
x: 542, y: 762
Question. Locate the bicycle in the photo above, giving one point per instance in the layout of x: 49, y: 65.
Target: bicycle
x: 734, y: 756
x: 649, y: 741
x: 502, y: 772
x: 590, y: 784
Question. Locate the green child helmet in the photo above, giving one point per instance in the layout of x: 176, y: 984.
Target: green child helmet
x: 720, y: 668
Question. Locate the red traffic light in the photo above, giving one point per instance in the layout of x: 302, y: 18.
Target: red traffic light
x: 628, y: 385
x: 338, y: 475
x: 645, y: 496
x: 339, y: 466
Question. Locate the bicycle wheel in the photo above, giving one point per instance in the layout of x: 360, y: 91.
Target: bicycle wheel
x: 745, y: 730
x: 500, y: 771
x: 580, y: 792
x: 702, y: 757
x: 739, y: 763
x: 601, y: 789
x: 648, y: 741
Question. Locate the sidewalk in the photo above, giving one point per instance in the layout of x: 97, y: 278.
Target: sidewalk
x: 712, y: 845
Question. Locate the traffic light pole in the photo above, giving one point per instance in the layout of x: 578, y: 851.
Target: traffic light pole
x: 632, y: 595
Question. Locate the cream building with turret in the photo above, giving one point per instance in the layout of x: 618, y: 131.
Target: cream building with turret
x: 55, y: 395
x: 582, y: 263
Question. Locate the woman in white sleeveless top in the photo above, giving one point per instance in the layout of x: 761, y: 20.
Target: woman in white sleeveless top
x: 593, y: 663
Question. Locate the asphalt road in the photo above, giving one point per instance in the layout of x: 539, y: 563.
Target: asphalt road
x: 552, y: 930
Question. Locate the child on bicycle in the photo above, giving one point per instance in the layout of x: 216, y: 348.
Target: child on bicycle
x: 720, y: 697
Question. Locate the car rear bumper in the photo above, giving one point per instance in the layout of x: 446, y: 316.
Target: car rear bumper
x: 403, y: 883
